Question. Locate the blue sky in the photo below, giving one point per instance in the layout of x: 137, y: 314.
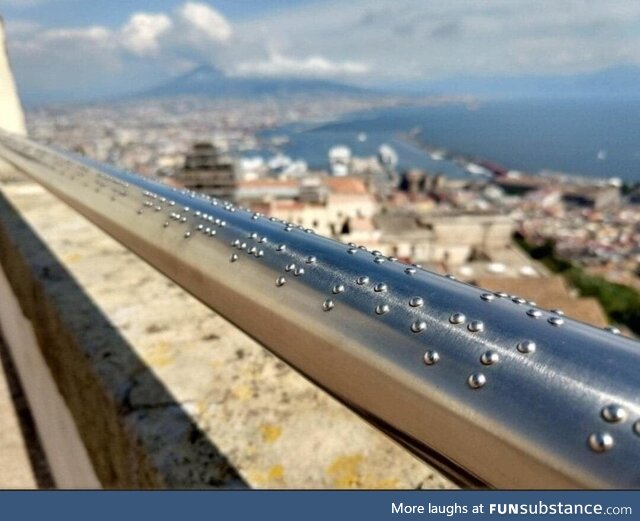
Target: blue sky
x: 75, y: 49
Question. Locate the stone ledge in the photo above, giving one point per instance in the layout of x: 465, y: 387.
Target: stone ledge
x: 165, y: 393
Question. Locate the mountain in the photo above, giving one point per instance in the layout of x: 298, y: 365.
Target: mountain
x: 615, y: 82
x: 210, y: 81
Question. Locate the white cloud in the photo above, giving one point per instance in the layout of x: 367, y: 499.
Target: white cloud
x: 141, y: 33
x: 279, y: 65
x: 206, y: 21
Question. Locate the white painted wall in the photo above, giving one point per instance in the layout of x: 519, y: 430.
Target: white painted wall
x: 11, y: 115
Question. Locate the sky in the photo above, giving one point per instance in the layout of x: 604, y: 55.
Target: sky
x: 82, y: 49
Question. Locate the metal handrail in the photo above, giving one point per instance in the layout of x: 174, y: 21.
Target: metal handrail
x: 487, y: 387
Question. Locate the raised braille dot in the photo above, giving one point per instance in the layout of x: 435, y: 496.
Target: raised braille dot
x: 328, y: 305
x: 487, y: 297
x: 184, y: 219
x: 381, y: 309
x: 281, y: 281
x: 475, y: 326
x: 352, y: 251
x: 379, y: 260
x: 457, y: 318
x: 252, y: 250
x: 253, y: 235
x: 555, y: 321
x: 255, y: 217
x: 288, y: 228
x: 338, y: 288
x: 311, y: 259
x: 557, y: 312
x: 410, y: 271
x: 380, y: 287
x: 361, y: 281
x: 489, y: 358
x: 476, y: 380
x: 234, y: 257
x: 518, y: 300
x: 614, y: 413
x: 290, y: 267
x: 526, y: 346
x: 242, y: 246
x: 416, y: 302
x: 200, y: 227
x: 534, y: 313
x: 262, y: 240
x: 450, y: 276
x: 531, y: 303
x: 166, y: 224
x: 501, y: 294
x: 260, y: 253
x: 235, y: 242
x: 298, y: 272
x: 281, y: 247
x: 187, y: 235
x: 418, y: 326
x: 636, y: 427
x: 212, y: 232
x: 431, y: 357
x: 612, y: 329
x: 601, y: 441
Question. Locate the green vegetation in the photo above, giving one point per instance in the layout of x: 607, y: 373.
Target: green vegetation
x: 621, y: 303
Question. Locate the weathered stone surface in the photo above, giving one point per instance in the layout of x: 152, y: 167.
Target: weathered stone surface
x: 166, y: 393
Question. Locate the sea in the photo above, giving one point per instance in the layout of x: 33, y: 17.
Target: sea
x: 591, y: 138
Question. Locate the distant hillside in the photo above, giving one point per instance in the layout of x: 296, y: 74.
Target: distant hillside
x: 618, y: 82
x: 209, y: 81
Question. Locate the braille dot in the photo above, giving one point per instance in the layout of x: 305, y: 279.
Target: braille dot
x: 212, y: 232
x: 457, y: 318
x: 260, y: 253
x: 281, y: 247
x: 501, y: 294
x: 381, y: 287
x: 253, y: 235
x: 200, y: 227
x: 311, y: 259
x: 290, y: 267
x: 262, y: 240
x: 526, y: 346
x: 600, y: 441
x: 450, y: 276
x: 328, y: 305
x: 519, y: 300
x: 555, y: 321
x: 281, y: 281
x: 489, y: 358
x: 255, y: 216
x: 298, y: 272
x: 166, y: 224
x: 234, y: 257
x: 242, y: 246
x: 534, y: 313
x: 338, y: 288
x: 352, y: 251
x: 531, y: 303
x: 557, y: 312
x: 235, y: 242
x: 288, y: 228
x: 379, y: 260
x: 488, y: 297
x: 252, y: 250
x: 476, y: 380
x: 361, y: 281
x: 187, y: 235
x: 636, y: 427
x: 410, y: 271
x: 377, y: 253
x: 431, y: 357
x: 612, y: 329
x: 418, y: 326
x: 416, y: 302
x: 381, y: 309
x: 614, y: 413
x: 475, y: 326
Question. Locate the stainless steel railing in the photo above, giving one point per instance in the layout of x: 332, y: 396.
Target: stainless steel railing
x: 487, y: 387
